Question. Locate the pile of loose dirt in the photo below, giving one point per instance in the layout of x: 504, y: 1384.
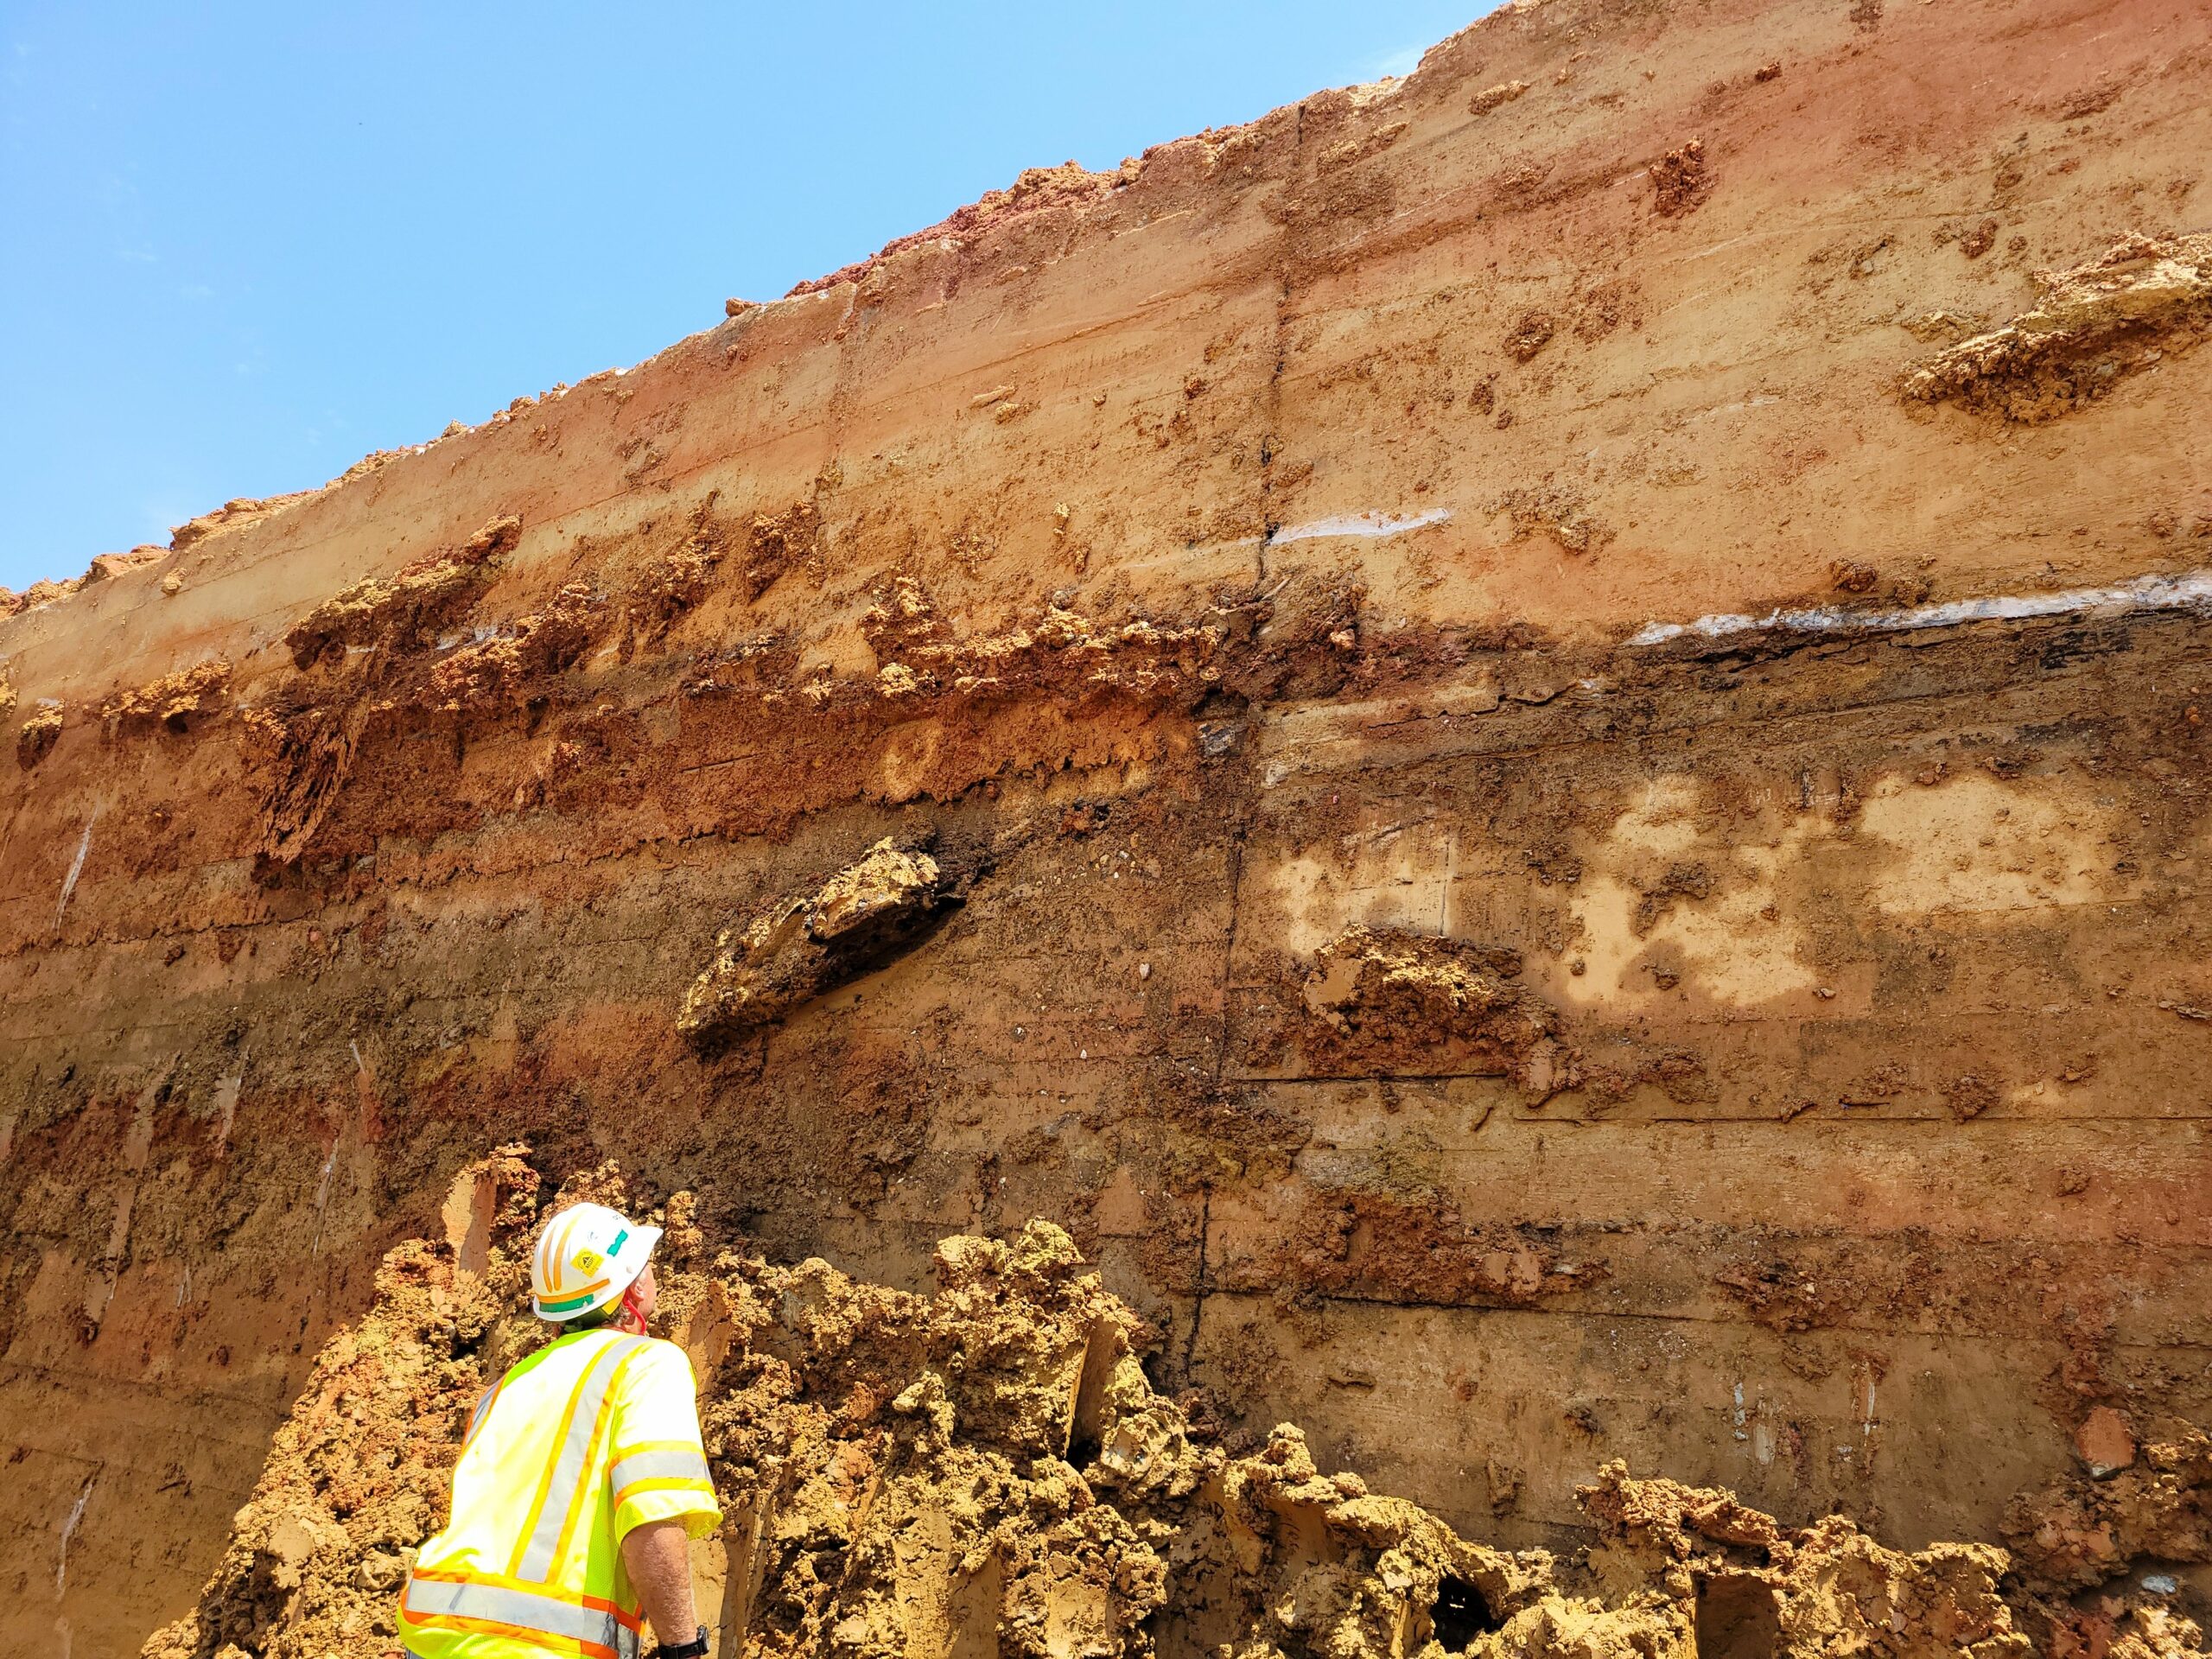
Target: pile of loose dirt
x: 990, y: 1470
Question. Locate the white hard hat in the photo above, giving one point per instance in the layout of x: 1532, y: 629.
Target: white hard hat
x: 587, y: 1255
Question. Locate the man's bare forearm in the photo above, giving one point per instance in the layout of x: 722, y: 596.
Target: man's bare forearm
x: 658, y: 1556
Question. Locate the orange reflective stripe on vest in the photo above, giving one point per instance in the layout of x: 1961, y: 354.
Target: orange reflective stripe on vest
x: 597, y: 1628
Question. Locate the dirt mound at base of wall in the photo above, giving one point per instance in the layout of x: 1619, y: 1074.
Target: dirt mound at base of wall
x: 988, y: 1470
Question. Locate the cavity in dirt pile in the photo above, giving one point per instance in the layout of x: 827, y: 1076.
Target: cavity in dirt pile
x: 989, y: 1470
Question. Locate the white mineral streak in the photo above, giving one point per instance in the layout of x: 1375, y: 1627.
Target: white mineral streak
x: 68, y: 1531
x: 2189, y: 591
x: 76, y: 869
x: 322, y: 1199
x: 227, y: 1101
x: 1360, y: 524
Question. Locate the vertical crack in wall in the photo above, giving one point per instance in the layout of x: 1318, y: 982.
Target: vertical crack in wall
x: 1271, y: 401
x: 1199, y: 1286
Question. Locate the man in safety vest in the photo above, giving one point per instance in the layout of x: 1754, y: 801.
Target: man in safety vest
x: 581, y: 1479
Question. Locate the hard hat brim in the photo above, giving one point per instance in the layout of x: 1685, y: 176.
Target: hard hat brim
x: 627, y: 1272
x: 652, y: 1238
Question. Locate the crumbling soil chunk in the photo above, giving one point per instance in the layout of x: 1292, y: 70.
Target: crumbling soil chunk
x: 38, y: 734
x: 806, y: 944
x: 2080, y: 1532
x: 398, y: 611
x: 2146, y: 299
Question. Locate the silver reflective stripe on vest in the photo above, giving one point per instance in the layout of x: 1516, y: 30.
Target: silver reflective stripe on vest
x: 430, y: 1597
x: 536, y: 1558
x: 482, y: 1406
x: 657, y: 1465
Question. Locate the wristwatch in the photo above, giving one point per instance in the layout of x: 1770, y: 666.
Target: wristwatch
x: 695, y: 1649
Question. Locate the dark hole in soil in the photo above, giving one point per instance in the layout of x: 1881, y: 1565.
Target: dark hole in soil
x: 1738, y: 1617
x: 1461, y: 1614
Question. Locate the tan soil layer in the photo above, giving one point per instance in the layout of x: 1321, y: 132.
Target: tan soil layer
x: 1530, y: 742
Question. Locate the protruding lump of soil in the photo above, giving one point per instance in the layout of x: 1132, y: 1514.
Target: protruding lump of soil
x: 1375, y: 994
x: 779, y: 541
x: 805, y: 943
x: 38, y: 735
x: 2146, y: 299
x: 172, y: 700
x: 1679, y: 180
x: 396, y: 610
x: 491, y: 672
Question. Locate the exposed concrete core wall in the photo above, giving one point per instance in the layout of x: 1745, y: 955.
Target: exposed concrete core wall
x: 1776, y: 1055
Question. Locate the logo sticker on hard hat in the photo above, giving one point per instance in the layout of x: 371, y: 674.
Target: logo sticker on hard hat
x: 587, y: 1260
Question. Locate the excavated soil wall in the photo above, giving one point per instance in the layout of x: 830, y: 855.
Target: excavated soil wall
x: 1530, y: 741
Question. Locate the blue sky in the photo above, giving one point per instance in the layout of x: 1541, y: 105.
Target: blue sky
x: 243, y: 245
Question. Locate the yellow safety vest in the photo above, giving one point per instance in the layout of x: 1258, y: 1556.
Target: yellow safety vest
x: 593, y: 1434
